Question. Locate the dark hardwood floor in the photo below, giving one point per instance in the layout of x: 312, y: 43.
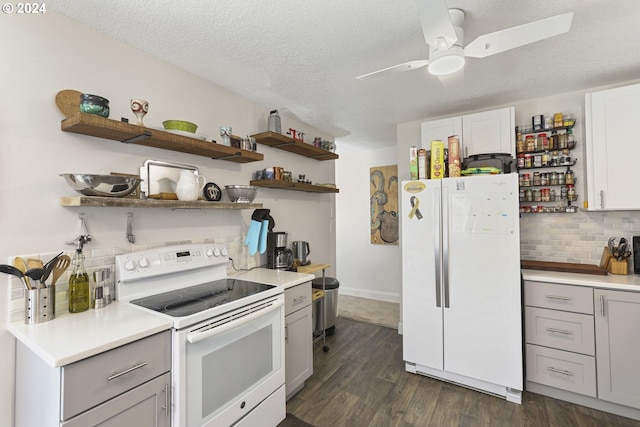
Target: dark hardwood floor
x: 361, y: 381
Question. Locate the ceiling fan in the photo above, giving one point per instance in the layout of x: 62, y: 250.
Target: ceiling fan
x: 443, y: 33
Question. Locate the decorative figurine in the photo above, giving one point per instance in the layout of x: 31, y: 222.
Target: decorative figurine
x: 225, y: 133
x: 140, y: 108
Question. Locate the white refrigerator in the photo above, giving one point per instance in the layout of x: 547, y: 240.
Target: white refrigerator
x: 461, y: 290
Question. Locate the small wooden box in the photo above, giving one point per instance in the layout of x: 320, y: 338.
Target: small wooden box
x: 618, y: 267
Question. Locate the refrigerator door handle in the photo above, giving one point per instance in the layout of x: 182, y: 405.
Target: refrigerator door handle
x: 445, y: 244
x: 436, y: 245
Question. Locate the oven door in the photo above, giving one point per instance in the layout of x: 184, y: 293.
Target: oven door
x: 226, y: 366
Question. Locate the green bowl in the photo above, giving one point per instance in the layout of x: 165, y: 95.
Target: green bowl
x: 180, y: 125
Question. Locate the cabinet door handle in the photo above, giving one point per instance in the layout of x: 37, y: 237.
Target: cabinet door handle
x: 286, y: 332
x: 559, y: 331
x: 126, y: 371
x: 602, y: 305
x: 558, y: 297
x: 560, y: 371
x: 165, y: 407
x: 601, y: 199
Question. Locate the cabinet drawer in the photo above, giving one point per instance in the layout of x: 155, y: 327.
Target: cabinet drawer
x: 561, y: 369
x: 560, y: 329
x: 95, y: 380
x: 578, y: 299
x: 297, y: 297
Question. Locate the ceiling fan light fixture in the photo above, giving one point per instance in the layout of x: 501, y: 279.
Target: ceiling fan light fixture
x: 445, y: 62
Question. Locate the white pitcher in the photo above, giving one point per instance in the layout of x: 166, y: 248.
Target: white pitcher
x: 189, y: 186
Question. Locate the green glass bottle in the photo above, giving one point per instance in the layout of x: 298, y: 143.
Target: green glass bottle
x: 78, y: 285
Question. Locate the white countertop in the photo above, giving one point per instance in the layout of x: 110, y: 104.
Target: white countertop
x: 628, y: 282
x: 72, y: 337
x: 269, y: 276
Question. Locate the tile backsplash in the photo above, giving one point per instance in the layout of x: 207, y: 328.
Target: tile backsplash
x: 576, y: 237
x: 96, y: 259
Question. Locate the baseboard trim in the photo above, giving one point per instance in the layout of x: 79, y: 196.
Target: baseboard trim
x: 375, y: 295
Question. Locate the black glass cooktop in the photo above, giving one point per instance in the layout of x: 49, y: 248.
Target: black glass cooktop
x: 193, y: 299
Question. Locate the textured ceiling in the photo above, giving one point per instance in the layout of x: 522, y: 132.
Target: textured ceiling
x: 302, y: 57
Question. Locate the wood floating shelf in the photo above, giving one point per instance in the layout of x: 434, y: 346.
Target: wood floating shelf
x: 117, y: 202
x: 283, y: 142
x: 93, y: 125
x: 295, y: 186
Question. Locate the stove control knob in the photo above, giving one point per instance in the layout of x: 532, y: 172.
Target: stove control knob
x: 209, y: 253
x: 129, y: 265
x: 223, y: 251
x: 216, y: 252
x: 144, y: 263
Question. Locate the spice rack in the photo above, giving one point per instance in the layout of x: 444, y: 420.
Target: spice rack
x: 539, y: 158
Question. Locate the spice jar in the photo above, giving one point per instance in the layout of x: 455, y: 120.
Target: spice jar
x: 520, y: 161
x: 536, y: 195
x: 553, y: 141
x: 562, y: 140
x: 563, y: 193
x: 542, y: 142
x: 536, y: 178
x: 544, y: 178
x: 569, y: 177
x: 537, y: 160
x: 545, y: 158
x: 555, y: 159
x: 527, y: 161
x: 526, y: 180
x: 530, y: 143
x: 571, y: 142
x: 552, y: 195
x: 553, y: 179
x: 571, y: 192
x: 519, y: 143
x: 560, y: 178
x: 528, y: 195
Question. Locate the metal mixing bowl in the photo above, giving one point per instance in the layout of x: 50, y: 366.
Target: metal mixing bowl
x: 101, y: 185
x: 241, y: 193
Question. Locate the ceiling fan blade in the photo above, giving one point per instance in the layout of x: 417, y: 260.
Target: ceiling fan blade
x: 503, y: 40
x: 407, y: 66
x: 436, y: 23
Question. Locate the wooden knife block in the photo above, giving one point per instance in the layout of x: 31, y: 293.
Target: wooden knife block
x: 609, y: 263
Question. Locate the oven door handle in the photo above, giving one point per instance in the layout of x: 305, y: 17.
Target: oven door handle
x: 194, y: 337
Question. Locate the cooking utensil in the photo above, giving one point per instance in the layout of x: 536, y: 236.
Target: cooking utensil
x: 22, y: 266
x: 36, y: 276
x: 34, y: 263
x: 52, y: 260
x: 68, y: 101
x: 47, y: 272
x: 9, y: 269
x: 61, y: 265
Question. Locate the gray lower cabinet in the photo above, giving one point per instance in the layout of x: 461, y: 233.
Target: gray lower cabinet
x: 618, y: 346
x: 298, y: 335
x: 128, y: 385
x: 582, y: 345
x: 145, y: 405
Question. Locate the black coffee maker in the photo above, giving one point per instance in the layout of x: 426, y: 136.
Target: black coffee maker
x: 278, y: 256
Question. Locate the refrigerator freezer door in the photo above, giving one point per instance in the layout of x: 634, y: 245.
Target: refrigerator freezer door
x: 482, y: 323
x: 421, y: 268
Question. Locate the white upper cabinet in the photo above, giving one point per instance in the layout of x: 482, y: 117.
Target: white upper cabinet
x: 489, y: 132
x: 611, y: 117
x: 440, y: 130
x: 480, y: 133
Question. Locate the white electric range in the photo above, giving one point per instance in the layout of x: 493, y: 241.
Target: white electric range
x: 228, y: 333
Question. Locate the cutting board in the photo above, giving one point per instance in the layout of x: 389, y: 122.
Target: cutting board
x: 164, y: 196
x: 566, y: 267
x: 68, y: 101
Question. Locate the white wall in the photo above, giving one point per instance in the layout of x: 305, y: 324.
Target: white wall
x: 44, y: 54
x: 365, y: 270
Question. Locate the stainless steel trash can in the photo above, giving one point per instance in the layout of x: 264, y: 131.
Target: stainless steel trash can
x: 330, y: 304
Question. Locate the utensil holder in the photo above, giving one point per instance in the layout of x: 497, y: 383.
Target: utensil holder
x: 39, y: 305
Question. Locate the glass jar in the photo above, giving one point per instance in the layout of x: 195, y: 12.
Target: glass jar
x: 545, y: 158
x: 569, y: 177
x: 527, y: 180
x: 528, y: 161
x: 563, y: 193
x: 528, y: 195
x: 560, y: 178
x: 552, y: 195
x: 544, y: 178
x: 553, y: 178
x: 536, y: 178
x: 562, y: 140
x: 536, y: 195
x: 520, y: 161
x: 542, y: 142
x: 530, y: 143
x: 555, y: 159
x: 519, y: 144
x: 553, y: 141
x: 571, y: 192
x: 537, y: 160
x: 571, y: 142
